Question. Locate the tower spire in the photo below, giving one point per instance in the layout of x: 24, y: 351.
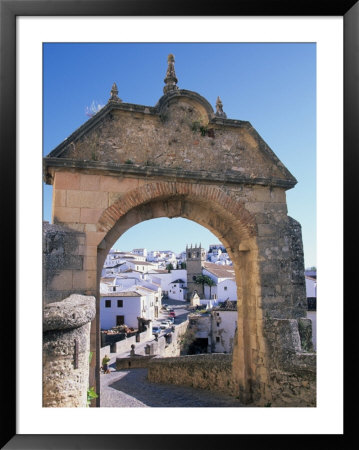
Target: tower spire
x: 171, y: 79
x: 114, y: 94
x: 219, y: 108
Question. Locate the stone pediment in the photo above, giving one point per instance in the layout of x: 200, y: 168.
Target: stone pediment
x: 180, y: 136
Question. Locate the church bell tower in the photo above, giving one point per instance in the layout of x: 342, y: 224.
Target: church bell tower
x: 195, y: 257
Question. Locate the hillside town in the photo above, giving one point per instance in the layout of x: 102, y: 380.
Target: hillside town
x: 145, y: 294
x: 137, y: 283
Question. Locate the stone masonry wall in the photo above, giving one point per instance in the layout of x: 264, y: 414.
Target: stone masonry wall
x: 66, y: 350
x: 207, y: 371
x: 163, y: 347
x: 292, y: 376
x: 63, y: 260
x: 180, y: 137
x: 293, y: 368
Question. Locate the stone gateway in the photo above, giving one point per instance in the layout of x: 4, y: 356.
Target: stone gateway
x: 130, y: 163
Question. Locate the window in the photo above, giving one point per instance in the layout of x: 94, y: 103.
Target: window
x: 217, y: 338
x: 114, y: 289
x: 217, y: 324
x: 119, y: 303
x: 189, y: 255
x: 225, y: 288
x: 107, y: 303
x: 197, y: 254
x: 120, y: 320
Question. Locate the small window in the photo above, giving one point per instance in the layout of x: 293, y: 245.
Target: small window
x: 217, y: 324
x: 225, y: 288
x: 189, y: 255
x: 197, y: 254
x: 217, y: 314
x: 119, y: 303
x: 107, y: 303
x: 114, y: 289
x: 174, y: 285
x: 217, y: 338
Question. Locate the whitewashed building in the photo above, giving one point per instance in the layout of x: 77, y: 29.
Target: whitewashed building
x: 139, y: 266
x: 140, y: 252
x: 126, y: 307
x: 174, y: 290
x: 224, y: 278
x: 215, y: 330
x: 118, y: 299
x: 223, y: 327
x: 120, y: 308
x: 311, y: 286
x: 177, y: 289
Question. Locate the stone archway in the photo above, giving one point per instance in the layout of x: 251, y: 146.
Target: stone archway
x: 234, y: 226
x: 131, y: 163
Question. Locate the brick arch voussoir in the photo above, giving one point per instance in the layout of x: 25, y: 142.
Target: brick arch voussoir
x: 156, y: 190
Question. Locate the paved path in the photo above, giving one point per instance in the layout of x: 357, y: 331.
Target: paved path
x: 130, y: 388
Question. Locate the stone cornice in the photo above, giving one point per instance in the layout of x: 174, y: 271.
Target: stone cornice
x: 134, y: 170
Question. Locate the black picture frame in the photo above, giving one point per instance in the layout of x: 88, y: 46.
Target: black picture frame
x: 9, y: 10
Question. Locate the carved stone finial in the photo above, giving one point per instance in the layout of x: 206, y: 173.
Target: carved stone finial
x: 219, y: 108
x: 114, y: 94
x: 171, y: 79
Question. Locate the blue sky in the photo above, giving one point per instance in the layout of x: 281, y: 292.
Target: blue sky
x: 273, y: 86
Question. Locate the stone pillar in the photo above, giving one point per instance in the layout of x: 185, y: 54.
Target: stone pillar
x: 66, y: 350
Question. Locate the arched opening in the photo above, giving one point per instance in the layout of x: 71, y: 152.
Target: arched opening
x: 231, y: 224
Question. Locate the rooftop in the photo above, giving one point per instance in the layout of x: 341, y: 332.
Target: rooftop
x: 220, y: 271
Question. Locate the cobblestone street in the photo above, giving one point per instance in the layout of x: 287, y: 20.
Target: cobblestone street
x: 130, y: 388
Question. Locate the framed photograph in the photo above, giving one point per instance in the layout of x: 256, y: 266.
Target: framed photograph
x: 28, y: 31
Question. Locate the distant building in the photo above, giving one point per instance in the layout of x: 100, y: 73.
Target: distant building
x: 215, y: 330
x: 196, y: 257
x: 128, y: 297
x: 173, y: 283
x: 224, y: 325
x: 140, y: 266
x: 311, y: 288
x: 225, y: 282
x: 121, y: 308
x: 140, y: 252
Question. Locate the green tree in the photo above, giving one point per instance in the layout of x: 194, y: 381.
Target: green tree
x: 205, y: 280
x: 169, y: 267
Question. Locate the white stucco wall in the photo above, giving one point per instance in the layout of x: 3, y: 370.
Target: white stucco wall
x: 311, y: 287
x: 226, y: 288
x: 227, y: 321
x: 131, y: 310
x: 166, y: 278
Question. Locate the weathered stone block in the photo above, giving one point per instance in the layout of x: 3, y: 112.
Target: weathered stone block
x: 66, y: 180
x: 87, y: 199
x: 89, y: 182
x: 59, y: 197
x: 66, y: 345
x: 305, y: 332
x: 84, y: 279
x: 90, y: 215
x: 66, y: 214
x: 93, y: 238
x: 61, y: 280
